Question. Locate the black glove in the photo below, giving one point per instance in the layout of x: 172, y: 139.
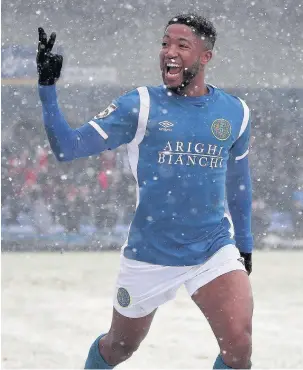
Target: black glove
x: 48, y: 65
x: 247, y: 261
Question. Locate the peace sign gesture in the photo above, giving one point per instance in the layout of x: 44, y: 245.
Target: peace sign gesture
x: 48, y: 64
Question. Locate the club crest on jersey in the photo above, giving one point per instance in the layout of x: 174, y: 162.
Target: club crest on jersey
x: 221, y: 129
x: 123, y: 297
x: 110, y: 109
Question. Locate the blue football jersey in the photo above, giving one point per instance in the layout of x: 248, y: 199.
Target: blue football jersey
x: 178, y: 149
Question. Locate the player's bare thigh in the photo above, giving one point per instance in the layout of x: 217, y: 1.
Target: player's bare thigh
x: 124, y: 337
x: 227, y: 303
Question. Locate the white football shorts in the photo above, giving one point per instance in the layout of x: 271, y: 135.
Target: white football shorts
x: 142, y: 287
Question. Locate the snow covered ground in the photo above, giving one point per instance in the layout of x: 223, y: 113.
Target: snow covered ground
x: 54, y: 305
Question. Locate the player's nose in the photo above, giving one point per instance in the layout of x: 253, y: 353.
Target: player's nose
x: 171, y: 52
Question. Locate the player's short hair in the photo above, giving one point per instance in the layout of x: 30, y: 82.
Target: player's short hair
x: 201, y: 26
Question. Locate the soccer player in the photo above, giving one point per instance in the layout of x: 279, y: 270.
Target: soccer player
x: 187, y: 144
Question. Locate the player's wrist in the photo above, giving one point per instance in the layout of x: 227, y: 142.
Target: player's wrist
x: 46, y: 82
x: 48, y: 94
x: 244, y: 243
x: 246, y: 255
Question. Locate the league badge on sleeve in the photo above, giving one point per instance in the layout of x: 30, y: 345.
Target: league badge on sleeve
x: 221, y: 129
x: 110, y: 109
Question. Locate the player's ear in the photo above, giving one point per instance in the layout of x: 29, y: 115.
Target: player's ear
x: 206, y: 56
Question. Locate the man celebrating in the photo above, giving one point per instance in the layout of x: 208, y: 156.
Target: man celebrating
x: 187, y: 144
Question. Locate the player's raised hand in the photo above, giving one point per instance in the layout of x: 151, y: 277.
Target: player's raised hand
x: 48, y: 64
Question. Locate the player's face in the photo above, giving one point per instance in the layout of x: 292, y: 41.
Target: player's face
x: 182, y: 56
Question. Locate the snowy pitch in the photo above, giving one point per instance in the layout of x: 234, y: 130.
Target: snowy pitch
x: 54, y: 305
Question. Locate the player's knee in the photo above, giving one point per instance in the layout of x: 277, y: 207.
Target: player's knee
x: 242, y: 344
x: 238, y: 351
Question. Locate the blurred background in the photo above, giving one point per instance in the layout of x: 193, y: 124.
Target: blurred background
x: 109, y: 48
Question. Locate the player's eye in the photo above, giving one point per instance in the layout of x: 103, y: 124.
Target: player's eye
x: 183, y: 46
x: 164, y: 44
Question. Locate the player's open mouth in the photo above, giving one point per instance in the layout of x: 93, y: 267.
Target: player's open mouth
x: 172, y: 71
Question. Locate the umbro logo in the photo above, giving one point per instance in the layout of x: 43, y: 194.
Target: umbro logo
x: 165, y: 126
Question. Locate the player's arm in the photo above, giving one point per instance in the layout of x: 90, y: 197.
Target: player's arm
x: 239, y: 195
x: 116, y: 126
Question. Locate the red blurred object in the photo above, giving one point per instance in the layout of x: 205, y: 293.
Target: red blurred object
x: 103, y: 180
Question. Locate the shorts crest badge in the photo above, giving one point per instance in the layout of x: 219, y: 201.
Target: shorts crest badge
x: 221, y: 129
x: 123, y: 297
x: 110, y: 109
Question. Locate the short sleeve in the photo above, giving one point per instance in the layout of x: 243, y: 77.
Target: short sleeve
x: 117, y: 124
x: 240, y: 148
